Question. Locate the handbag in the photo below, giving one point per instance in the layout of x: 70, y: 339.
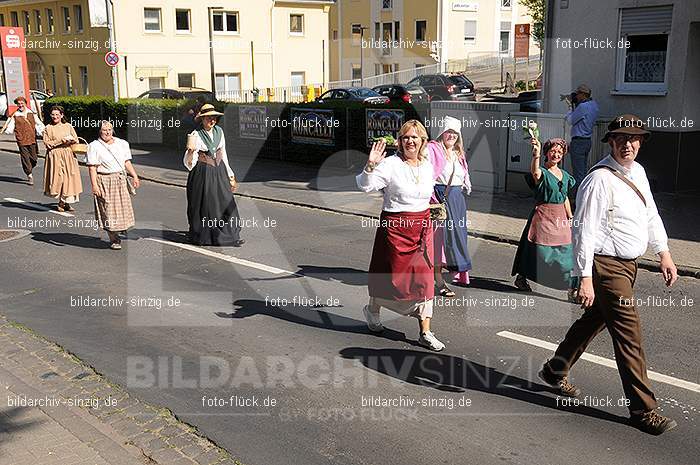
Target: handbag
x: 438, y: 211
x: 129, y: 181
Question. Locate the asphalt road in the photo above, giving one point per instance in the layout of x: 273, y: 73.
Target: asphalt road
x: 199, y: 326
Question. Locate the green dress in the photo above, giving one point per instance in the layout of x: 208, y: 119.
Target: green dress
x: 546, y: 265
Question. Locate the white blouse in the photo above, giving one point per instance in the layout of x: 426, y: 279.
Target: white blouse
x: 109, y: 158
x: 457, y: 178
x: 406, y: 188
x: 201, y: 147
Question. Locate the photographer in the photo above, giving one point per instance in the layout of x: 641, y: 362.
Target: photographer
x: 581, y: 117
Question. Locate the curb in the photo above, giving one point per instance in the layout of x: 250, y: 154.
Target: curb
x: 646, y: 264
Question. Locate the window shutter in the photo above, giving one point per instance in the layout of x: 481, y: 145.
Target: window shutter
x: 651, y: 20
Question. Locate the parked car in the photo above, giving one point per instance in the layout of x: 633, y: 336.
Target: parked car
x: 181, y: 93
x: 353, y: 94
x: 38, y: 98
x: 530, y: 101
x: 403, y: 93
x: 445, y: 86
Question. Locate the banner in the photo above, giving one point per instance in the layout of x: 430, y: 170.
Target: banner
x: 252, y: 123
x: 14, y: 61
x: 313, y: 126
x: 383, y: 123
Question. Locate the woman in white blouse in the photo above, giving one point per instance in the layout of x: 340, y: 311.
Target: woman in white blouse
x: 108, y: 160
x: 452, y: 186
x: 211, y: 209
x: 401, y: 269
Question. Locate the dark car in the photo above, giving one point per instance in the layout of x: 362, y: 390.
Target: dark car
x: 352, y: 94
x: 445, y: 86
x: 530, y: 101
x: 403, y: 93
x: 182, y: 93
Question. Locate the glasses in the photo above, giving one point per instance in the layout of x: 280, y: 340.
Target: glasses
x: 622, y: 139
x: 406, y: 138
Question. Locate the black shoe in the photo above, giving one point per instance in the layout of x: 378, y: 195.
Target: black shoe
x: 238, y: 243
x: 562, y: 384
x: 652, y: 422
x: 445, y: 291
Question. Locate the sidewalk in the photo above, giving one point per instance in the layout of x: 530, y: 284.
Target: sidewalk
x: 500, y: 217
x: 56, y: 411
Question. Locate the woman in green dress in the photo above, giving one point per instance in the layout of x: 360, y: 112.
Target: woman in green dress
x: 545, y: 253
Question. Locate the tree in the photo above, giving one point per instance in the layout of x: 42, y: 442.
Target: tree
x: 536, y: 9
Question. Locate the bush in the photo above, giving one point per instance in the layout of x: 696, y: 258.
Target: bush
x: 139, y: 121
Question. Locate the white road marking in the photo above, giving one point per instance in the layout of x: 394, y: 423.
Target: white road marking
x: 681, y: 383
x: 36, y: 206
x: 227, y: 258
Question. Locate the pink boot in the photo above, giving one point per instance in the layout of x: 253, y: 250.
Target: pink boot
x: 461, y: 278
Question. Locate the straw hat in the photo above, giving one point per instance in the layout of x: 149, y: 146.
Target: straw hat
x: 626, y: 124
x: 207, y: 110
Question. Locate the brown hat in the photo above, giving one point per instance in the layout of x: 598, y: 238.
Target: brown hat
x: 207, y: 110
x: 626, y: 124
x: 583, y: 89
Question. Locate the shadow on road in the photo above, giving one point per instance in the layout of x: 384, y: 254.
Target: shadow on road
x: 10, y: 425
x: 340, y: 274
x: 70, y: 239
x: 455, y: 374
x: 13, y: 179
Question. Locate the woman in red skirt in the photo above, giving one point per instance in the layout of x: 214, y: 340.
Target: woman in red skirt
x: 401, y: 270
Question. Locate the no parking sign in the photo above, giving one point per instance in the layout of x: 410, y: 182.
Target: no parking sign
x: 112, y: 59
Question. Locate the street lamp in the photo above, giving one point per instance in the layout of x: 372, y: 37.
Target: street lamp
x: 211, y: 45
x: 361, y: 29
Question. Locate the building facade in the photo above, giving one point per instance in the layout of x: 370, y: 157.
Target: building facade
x: 640, y: 57
x: 396, y: 35
x: 166, y: 43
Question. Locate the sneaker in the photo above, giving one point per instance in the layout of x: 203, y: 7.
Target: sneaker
x: 373, y: 322
x: 428, y: 339
x: 564, y: 387
x: 652, y: 422
x: 115, y: 246
x: 30, y: 179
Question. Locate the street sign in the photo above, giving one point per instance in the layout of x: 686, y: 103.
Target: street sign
x: 522, y: 41
x: 14, y: 63
x: 112, y: 59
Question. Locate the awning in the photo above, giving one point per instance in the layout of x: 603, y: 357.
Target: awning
x: 152, y: 72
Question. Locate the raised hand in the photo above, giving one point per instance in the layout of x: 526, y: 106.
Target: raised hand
x: 536, y: 147
x: 377, y: 153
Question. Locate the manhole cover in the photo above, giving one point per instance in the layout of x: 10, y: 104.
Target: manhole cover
x: 9, y: 234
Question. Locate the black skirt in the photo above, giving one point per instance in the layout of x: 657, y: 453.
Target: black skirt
x: 211, y: 209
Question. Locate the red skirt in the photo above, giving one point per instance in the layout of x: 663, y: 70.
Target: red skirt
x: 401, y: 266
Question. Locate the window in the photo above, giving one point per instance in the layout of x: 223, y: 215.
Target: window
x: 37, y: 19
x: 78, y: 13
x: 296, y: 24
x: 49, y: 24
x: 27, y: 24
x: 469, y: 32
x: 182, y: 20
x: 421, y: 27
x: 53, y: 78
x: 335, y: 34
x: 397, y: 30
x: 185, y: 80
x: 2, y: 19
x: 356, y: 72
x: 69, y: 80
x: 226, y: 21
x: 156, y: 83
x: 14, y: 19
x: 506, y: 4
x: 151, y: 19
x: 84, y: 80
x: 505, y: 37
x: 356, y: 34
x: 387, y: 34
x: 377, y: 31
x: 642, y: 64
x: 228, y: 83
x: 298, y: 81
x: 386, y: 4
x: 66, y: 19
x: 377, y: 69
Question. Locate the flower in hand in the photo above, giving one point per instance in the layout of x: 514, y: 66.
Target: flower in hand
x: 536, y: 147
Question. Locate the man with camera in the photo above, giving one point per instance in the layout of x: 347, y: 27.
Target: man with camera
x: 581, y: 117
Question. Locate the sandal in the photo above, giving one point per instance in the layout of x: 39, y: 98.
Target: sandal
x: 521, y: 283
x: 445, y: 291
x: 60, y: 207
x: 67, y: 207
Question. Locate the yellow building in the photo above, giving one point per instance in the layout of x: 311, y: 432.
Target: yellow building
x: 397, y: 35
x: 165, y: 43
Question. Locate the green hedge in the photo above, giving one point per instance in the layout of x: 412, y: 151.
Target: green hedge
x: 140, y: 121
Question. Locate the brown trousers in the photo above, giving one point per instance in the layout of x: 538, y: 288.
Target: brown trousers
x: 613, y: 279
x: 28, y: 154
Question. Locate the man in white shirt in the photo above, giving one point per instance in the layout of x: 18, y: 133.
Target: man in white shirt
x: 26, y: 126
x: 615, y: 221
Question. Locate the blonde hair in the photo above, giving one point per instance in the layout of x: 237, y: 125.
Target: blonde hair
x: 459, y: 145
x: 422, y: 133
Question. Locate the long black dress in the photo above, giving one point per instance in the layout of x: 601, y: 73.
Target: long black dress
x: 211, y: 209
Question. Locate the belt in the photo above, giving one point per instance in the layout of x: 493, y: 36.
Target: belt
x: 203, y: 158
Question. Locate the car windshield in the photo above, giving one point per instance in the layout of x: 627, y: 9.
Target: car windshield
x: 363, y: 92
x: 460, y: 80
